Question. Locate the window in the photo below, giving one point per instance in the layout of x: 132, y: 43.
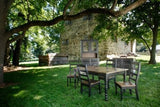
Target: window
x: 65, y: 42
x: 68, y: 22
x: 89, y: 17
x: 89, y: 45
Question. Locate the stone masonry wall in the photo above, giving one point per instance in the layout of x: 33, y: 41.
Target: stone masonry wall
x: 80, y: 29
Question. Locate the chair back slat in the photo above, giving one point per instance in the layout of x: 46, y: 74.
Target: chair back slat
x: 131, y: 78
x: 83, y: 72
x: 134, y: 73
x: 71, y: 68
x: 124, y: 63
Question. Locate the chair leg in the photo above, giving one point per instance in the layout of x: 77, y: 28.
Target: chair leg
x: 70, y: 80
x: 74, y: 82
x: 137, y: 96
x: 89, y: 91
x: 108, y: 84
x: 99, y: 88
x: 124, y: 90
x: 121, y: 93
x: 116, y: 88
x: 81, y: 89
x: 93, y: 77
x: 115, y: 82
x: 130, y: 90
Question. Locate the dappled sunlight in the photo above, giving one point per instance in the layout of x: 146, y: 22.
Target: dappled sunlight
x: 15, y: 87
x: 26, y: 72
x: 40, y: 75
x: 8, y: 69
x: 141, y: 73
x: 37, y: 97
x: 21, y: 93
x: 157, y: 73
x: 47, y: 67
x: 40, y: 81
x: 48, y: 85
x: 156, y: 67
x: 55, y: 75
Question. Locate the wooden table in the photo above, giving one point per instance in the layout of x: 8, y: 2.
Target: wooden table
x: 106, y: 72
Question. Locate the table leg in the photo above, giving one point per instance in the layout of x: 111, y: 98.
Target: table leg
x: 106, y: 88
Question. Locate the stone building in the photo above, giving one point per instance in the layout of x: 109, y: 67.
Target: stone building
x: 81, y: 29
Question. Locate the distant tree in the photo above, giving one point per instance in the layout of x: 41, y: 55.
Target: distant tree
x: 143, y: 23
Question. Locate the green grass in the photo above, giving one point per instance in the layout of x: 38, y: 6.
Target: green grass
x: 47, y: 87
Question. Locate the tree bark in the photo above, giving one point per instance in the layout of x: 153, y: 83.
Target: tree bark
x: 2, y: 52
x: 7, y: 55
x: 153, y: 50
x: 16, y: 52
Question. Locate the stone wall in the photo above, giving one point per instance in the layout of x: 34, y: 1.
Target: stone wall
x: 81, y: 29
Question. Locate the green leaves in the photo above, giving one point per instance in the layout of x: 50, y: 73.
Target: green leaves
x: 107, y: 27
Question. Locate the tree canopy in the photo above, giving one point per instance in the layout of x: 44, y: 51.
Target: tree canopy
x: 143, y: 24
x: 17, y: 16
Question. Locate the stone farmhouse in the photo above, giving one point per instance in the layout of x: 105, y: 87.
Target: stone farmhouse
x: 81, y: 29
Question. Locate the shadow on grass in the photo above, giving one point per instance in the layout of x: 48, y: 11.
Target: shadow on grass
x: 34, y: 86
x: 47, y: 88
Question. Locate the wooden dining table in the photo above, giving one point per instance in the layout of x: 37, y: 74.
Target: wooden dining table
x: 106, y: 72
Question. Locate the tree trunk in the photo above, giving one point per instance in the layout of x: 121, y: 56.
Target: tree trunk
x: 7, y: 55
x: 16, y: 52
x: 2, y: 52
x: 153, y: 50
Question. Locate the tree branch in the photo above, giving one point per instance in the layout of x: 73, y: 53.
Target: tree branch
x: 76, y: 16
x: 66, y: 7
x: 130, y: 7
x: 35, y: 23
x: 146, y: 43
x: 114, y: 5
x: 149, y: 24
x: 17, y: 37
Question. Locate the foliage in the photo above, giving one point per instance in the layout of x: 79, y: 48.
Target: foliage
x: 48, y: 87
x: 140, y: 22
x: 22, y: 12
x: 109, y: 27
x: 44, y: 40
x: 40, y: 40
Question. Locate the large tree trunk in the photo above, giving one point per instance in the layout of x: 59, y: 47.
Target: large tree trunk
x: 7, y: 55
x: 153, y: 50
x: 4, y: 5
x: 16, y: 52
x: 2, y: 52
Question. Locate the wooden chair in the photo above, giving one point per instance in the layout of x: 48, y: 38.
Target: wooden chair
x: 124, y: 63
x: 73, y: 75
x: 109, y: 63
x: 85, y: 80
x: 132, y: 83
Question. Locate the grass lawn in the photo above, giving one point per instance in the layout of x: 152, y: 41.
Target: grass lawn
x: 39, y: 87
